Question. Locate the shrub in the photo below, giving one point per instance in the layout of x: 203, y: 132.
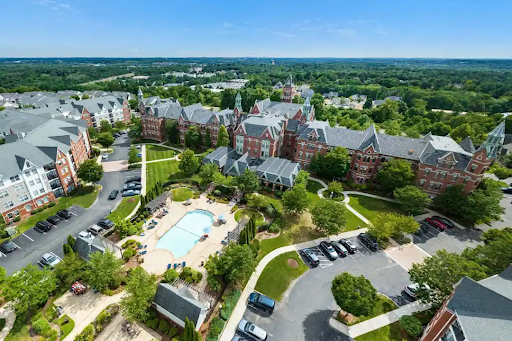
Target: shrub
x: 254, y: 249
x: 257, y: 243
x: 273, y: 228
x: 42, y: 327
x: 364, y: 187
x: 216, y: 327
x: 270, y: 211
x: 152, y: 314
x: 128, y: 253
x: 128, y: 243
x: 173, y: 331
x: 52, y: 204
x: 278, y: 193
x: 16, y: 219
x: 153, y: 324
x: 103, y: 317
x: 229, y: 304
x: 163, y: 326
x: 87, y: 334
x: 33, y: 212
x: 189, y: 280
x: 170, y: 275
x: 214, y: 283
x: 40, y: 209
x: 411, y: 325
x: 234, y: 208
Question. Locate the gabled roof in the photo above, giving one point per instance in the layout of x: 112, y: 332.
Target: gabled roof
x: 467, y: 145
x: 87, y: 246
x: 220, y: 156
x: 268, y: 107
x: 14, y: 155
x: 255, y: 126
x: 278, y: 171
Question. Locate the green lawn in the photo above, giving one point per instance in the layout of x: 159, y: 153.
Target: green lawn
x: 353, y: 222
x: 384, y: 305
x: 84, y: 196
x: 313, y: 188
x: 126, y: 207
x: 277, y: 275
x: 249, y: 212
x: 158, y: 153
x: 20, y: 330
x: 2, y: 324
x: 164, y: 171
x: 391, y: 332
x: 182, y: 194
x: 370, y: 207
x: 65, y: 328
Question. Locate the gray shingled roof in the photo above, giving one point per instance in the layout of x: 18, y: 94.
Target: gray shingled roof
x: 255, y: 126
x: 467, y: 145
x: 220, y: 156
x: 85, y: 246
x: 12, y: 153
x: 278, y: 171
x: 179, y: 302
x: 268, y: 107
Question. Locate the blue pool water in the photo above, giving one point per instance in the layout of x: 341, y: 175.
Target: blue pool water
x: 183, y: 236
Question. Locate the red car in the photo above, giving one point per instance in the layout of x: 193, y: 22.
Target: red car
x: 436, y: 223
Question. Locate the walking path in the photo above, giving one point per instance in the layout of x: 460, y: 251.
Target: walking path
x: 9, y: 317
x: 143, y: 170
x: 161, y: 144
x: 379, y: 321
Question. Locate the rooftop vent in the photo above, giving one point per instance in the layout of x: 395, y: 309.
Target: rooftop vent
x: 411, y: 151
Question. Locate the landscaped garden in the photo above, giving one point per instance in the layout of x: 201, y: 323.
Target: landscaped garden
x: 66, y: 325
x: 126, y: 207
x: 158, y: 153
x: 182, y: 194
x: 391, y: 332
x: 164, y: 171
x: 370, y: 207
x: 249, y: 213
x: 279, y: 273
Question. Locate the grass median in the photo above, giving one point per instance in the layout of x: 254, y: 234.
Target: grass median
x: 158, y: 153
x: 126, y: 207
x: 370, y: 207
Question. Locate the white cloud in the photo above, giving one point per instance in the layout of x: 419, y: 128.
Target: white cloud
x: 285, y: 34
x: 347, y: 33
x: 52, y: 4
x: 227, y: 24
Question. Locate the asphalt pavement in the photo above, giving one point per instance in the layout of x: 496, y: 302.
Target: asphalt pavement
x: 33, y: 244
x: 121, y: 148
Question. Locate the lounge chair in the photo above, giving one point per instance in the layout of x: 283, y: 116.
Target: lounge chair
x: 142, y: 234
x: 143, y: 252
x: 169, y: 266
x: 183, y: 264
x: 175, y: 266
x: 145, y: 246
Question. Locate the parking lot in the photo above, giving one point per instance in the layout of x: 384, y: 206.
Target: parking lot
x: 305, y: 309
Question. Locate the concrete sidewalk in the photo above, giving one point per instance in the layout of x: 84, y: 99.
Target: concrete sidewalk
x: 9, y: 317
x: 379, y: 321
x: 238, y: 312
x: 143, y: 170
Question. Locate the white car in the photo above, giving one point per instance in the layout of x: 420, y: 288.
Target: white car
x: 104, y: 156
x: 412, y: 289
x: 138, y: 146
x: 50, y: 259
x: 86, y: 234
x: 252, y: 330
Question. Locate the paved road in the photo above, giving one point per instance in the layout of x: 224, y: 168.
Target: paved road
x: 452, y: 240
x: 304, y: 313
x: 121, y: 148
x: 34, y: 244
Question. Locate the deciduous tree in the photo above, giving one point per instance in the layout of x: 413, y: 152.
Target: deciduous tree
x: 387, y: 224
x: 335, y: 189
x: 105, y: 126
x: 104, y: 270
x: 188, y: 162
x: 235, y: 264
x: 302, y: 178
x: 329, y: 216
x: 394, y: 174
x: 222, y: 137
x: 70, y: 269
x: 193, y: 138
x: 105, y: 139
x: 209, y: 171
x: 171, y: 128
x: 295, y: 200
x: 90, y: 171
x: 208, y: 138
x: 249, y: 182
x: 355, y: 295
x: 140, y: 291
x: 412, y: 199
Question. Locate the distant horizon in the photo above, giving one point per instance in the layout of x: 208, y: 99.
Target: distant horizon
x: 265, y: 57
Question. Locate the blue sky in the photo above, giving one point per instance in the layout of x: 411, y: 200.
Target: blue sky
x: 278, y: 28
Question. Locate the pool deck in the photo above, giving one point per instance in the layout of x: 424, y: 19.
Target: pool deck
x: 156, y: 260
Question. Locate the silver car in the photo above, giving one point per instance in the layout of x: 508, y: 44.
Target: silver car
x: 252, y: 330
x: 329, y: 250
x: 50, y: 259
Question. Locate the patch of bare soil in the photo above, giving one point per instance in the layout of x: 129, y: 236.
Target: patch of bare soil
x: 292, y: 263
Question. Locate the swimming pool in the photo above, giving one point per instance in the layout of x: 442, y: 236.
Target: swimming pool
x: 186, y: 233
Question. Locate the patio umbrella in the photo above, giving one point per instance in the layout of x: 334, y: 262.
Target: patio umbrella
x: 207, y: 229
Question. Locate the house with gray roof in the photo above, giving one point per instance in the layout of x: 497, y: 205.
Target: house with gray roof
x: 475, y: 311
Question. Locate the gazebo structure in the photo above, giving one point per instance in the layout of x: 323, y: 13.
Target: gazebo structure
x: 157, y: 203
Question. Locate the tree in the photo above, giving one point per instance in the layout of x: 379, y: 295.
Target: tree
x: 329, y: 216
x: 140, y: 289
x: 394, y: 174
x: 295, y: 200
x: 90, y: 171
x: 209, y: 171
x: 502, y: 172
x: 70, y: 269
x: 368, y: 103
x: 104, y: 270
x: 412, y: 199
x: 134, y: 104
x: 483, y: 206
x: 119, y: 124
x: 302, y: 178
x: 276, y: 95
x: 462, y: 131
x: 222, y: 137
x: 190, y: 333
x: 333, y: 165
x: 171, y: 128
x: 335, y: 188
x: 208, y: 138
x: 249, y: 182
x: 235, y: 264
x: 298, y: 99
x: 135, y: 131
x: 440, y: 128
x: 355, y: 295
x: 105, y: 126
x: 71, y: 240
x: 387, y: 224
x: 453, y: 200
x: 411, y: 325
x: 440, y: 273
x: 3, y: 275
x: 93, y: 133
x: 188, y: 162
x: 105, y: 139
x: 67, y: 249
x: 496, y: 254
x: 193, y: 137
x: 133, y: 155
x: 29, y: 288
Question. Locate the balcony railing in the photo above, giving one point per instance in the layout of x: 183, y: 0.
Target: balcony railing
x: 49, y: 167
x: 52, y: 175
x: 55, y: 184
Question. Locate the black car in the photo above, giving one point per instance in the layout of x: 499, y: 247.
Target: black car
x: 423, y: 227
x: 7, y: 246
x: 351, y: 247
x: 113, y: 194
x: 105, y: 223
x: 262, y: 302
x: 507, y: 190
x: 311, y: 257
x: 54, y: 220
x: 446, y: 221
x: 43, y: 226
x: 340, y: 249
x: 133, y: 178
x: 369, y: 241
x: 63, y: 214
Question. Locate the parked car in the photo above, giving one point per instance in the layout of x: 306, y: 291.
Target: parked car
x: 104, y: 156
x: 412, y: 289
x: 138, y: 146
x: 424, y: 226
x: 444, y: 220
x: 50, y: 259
x: 7, y: 246
x: 507, y: 190
x: 328, y: 249
x: 131, y: 185
x: 86, y: 234
x: 436, y: 223
x: 261, y: 302
x: 43, y: 226
x: 369, y: 241
x: 340, y: 249
x: 133, y: 178
x: 351, y: 247
x: 113, y: 194
x: 54, y: 220
x: 238, y: 338
x: 63, y: 214
x: 251, y: 330
x: 131, y: 193
x: 105, y: 223
x: 95, y: 229
x: 311, y: 257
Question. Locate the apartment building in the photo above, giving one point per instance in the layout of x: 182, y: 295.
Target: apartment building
x: 40, y: 159
x: 475, y: 311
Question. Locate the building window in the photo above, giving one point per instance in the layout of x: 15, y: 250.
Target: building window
x: 19, y: 188
x: 39, y: 202
x: 356, y: 166
x: 427, y: 171
x: 454, y: 177
x: 358, y: 156
x: 466, y: 179
x: 23, y: 198
x: 371, y: 170
x: 28, y: 207
x: 31, y: 183
x: 374, y: 159
x: 8, y: 204
x: 45, y: 200
x: 4, y: 194
x: 1, y: 183
x: 382, y: 159
x: 473, y: 168
x: 422, y: 182
x: 27, y: 173
x: 38, y: 181
x: 15, y: 178
x: 34, y: 172
x: 443, y: 175
x: 41, y: 191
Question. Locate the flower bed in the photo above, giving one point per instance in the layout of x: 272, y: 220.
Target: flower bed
x: 92, y: 331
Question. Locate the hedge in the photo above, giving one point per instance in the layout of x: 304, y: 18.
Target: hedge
x: 216, y: 327
x: 229, y: 304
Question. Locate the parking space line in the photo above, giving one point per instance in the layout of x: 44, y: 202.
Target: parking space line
x: 16, y: 245
x: 23, y: 234
x: 73, y: 214
x: 366, y: 248
x: 351, y: 256
x: 387, y: 267
x: 3, y: 254
x: 435, y: 235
